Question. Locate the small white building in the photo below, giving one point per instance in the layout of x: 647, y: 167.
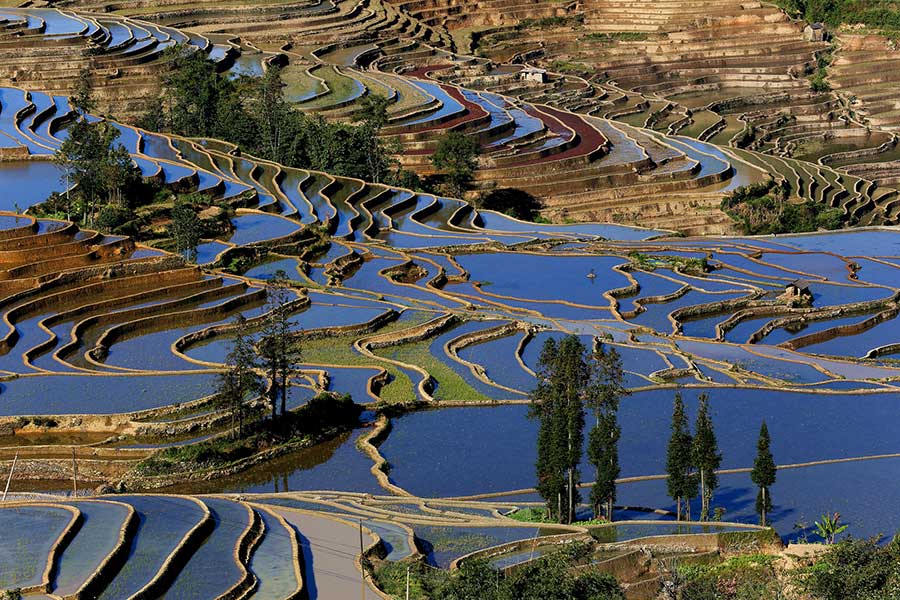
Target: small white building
x: 533, y: 74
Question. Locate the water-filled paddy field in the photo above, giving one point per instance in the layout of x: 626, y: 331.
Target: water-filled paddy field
x: 418, y: 297
x: 426, y: 309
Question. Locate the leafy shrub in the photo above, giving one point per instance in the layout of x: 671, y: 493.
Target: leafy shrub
x: 748, y: 577
x: 818, y: 84
x: 545, y: 578
x: 855, y: 570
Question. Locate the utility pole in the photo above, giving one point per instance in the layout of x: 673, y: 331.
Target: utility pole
x: 362, y: 568
x: 74, y: 475
x: 407, y: 582
x: 9, y: 479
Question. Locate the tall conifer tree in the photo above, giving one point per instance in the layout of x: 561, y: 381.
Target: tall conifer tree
x: 558, y: 404
x: 706, y: 455
x: 763, y: 473
x: 240, y: 381
x: 678, y: 459
x: 603, y: 439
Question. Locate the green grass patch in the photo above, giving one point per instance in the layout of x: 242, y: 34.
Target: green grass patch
x: 451, y: 386
x: 338, y: 350
x: 530, y: 515
x: 341, y: 87
x: 574, y: 68
x: 616, y: 36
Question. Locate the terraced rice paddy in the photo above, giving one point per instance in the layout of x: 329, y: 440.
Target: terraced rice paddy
x: 110, y: 349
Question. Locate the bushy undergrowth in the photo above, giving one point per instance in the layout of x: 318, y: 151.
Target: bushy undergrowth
x: 547, y: 578
x: 849, y: 570
x: 855, y: 570
x: 751, y: 577
x: 765, y: 208
x: 539, y: 515
x: 616, y: 36
x: 649, y: 262
x: 547, y: 22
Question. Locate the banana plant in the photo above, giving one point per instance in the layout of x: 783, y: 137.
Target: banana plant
x: 830, y: 527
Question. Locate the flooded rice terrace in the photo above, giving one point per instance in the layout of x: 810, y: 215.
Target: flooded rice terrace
x: 699, y: 315
x: 429, y: 311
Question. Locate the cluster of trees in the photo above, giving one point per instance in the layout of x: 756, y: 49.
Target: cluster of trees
x: 324, y: 415
x: 276, y: 354
x: 252, y: 113
x: 573, y: 381
x: 693, y: 459
x: 102, y: 182
x: 549, y: 577
x: 570, y: 380
x: 763, y: 208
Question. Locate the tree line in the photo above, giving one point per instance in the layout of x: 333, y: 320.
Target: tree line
x: 251, y: 112
x: 573, y: 381
x: 570, y: 380
x: 878, y: 14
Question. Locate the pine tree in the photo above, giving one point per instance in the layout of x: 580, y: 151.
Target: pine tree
x: 574, y: 376
x: 240, y: 381
x: 273, y: 116
x: 763, y: 473
x: 706, y: 456
x: 603, y: 440
x: 681, y: 484
x: 83, y: 97
x: 278, y: 349
x: 185, y: 228
x: 544, y: 408
x: 558, y: 404
x: 603, y: 453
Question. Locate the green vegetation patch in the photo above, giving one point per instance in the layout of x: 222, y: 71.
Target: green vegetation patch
x: 548, y: 22
x: 649, y: 262
x: 547, y: 578
x: 750, y: 576
x: 450, y: 385
x: 764, y: 208
x: 877, y: 14
x: 338, y: 350
x: 569, y: 67
x: 616, y: 36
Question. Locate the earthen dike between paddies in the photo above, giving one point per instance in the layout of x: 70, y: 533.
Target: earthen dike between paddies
x: 336, y: 298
